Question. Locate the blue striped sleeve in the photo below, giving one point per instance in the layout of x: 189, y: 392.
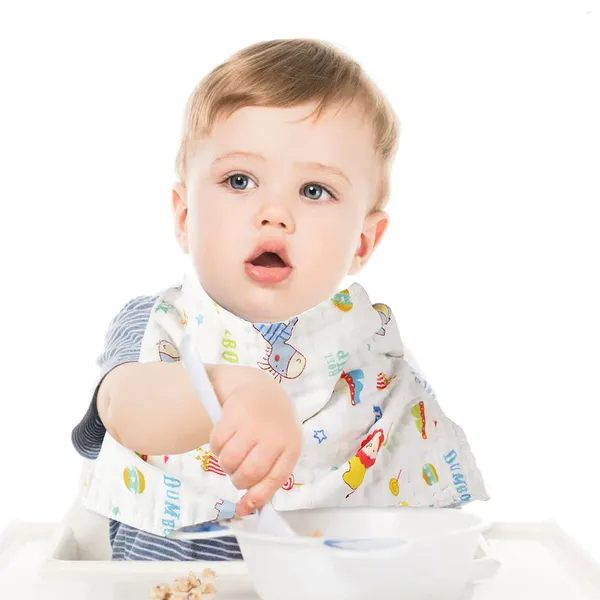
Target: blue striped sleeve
x: 129, y: 543
x: 121, y: 345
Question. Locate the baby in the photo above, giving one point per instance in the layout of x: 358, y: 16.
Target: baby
x: 283, y: 176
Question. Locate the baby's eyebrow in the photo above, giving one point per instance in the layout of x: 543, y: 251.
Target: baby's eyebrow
x: 238, y: 154
x: 328, y: 169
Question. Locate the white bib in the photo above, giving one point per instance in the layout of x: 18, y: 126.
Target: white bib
x: 374, y: 433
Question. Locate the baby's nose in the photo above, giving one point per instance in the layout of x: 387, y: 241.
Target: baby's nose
x: 276, y: 216
x: 267, y: 222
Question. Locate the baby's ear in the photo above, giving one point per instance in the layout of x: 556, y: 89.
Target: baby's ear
x: 374, y: 227
x: 180, y: 211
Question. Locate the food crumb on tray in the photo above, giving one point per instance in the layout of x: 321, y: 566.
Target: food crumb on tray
x: 186, y: 588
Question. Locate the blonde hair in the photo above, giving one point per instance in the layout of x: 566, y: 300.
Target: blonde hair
x: 287, y: 73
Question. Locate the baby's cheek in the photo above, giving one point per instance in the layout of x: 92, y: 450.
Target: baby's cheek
x: 347, y: 244
x: 330, y: 259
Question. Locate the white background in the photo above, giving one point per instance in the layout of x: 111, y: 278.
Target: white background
x: 491, y: 263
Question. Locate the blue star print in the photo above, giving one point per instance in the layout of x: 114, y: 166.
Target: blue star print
x: 200, y: 319
x: 320, y: 435
x: 377, y: 412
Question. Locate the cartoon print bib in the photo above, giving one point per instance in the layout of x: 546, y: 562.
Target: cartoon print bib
x: 374, y: 433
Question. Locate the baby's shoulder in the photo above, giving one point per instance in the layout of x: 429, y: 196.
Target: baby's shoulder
x: 140, y: 308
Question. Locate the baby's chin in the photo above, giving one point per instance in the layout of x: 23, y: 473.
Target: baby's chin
x: 269, y: 304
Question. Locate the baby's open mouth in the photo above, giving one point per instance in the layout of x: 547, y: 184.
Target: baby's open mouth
x: 269, y: 260
x: 269, y: 264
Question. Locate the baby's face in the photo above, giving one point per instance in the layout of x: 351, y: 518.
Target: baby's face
x: 276, y: 209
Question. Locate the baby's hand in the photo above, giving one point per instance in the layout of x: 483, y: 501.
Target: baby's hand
x: 259, y: 439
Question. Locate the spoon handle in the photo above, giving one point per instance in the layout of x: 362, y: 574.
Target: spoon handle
x: 200, y: 381
x: 203, y: 531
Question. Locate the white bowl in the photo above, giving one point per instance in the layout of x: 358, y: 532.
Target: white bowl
x: 435, y: 562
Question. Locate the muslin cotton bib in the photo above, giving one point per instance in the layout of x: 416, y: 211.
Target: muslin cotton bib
x: 374, y: 433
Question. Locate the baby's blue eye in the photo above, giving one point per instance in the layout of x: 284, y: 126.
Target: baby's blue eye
x: 240, y: 182
x: 314, y: 191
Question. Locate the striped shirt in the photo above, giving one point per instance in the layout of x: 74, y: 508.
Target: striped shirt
x: 122, y: 344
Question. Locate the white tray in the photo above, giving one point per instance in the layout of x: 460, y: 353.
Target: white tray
x: 39, y: 562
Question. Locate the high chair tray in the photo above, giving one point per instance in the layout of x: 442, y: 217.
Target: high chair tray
x: 41, y: 562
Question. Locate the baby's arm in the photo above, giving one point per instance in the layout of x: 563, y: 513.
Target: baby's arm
x: 153, y: 409
x: 149, y: 408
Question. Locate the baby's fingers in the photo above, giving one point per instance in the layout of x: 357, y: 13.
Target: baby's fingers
x: 253, y: 469
x: 234, y: 453
x: 261, y: 493
x: 221, y: 434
